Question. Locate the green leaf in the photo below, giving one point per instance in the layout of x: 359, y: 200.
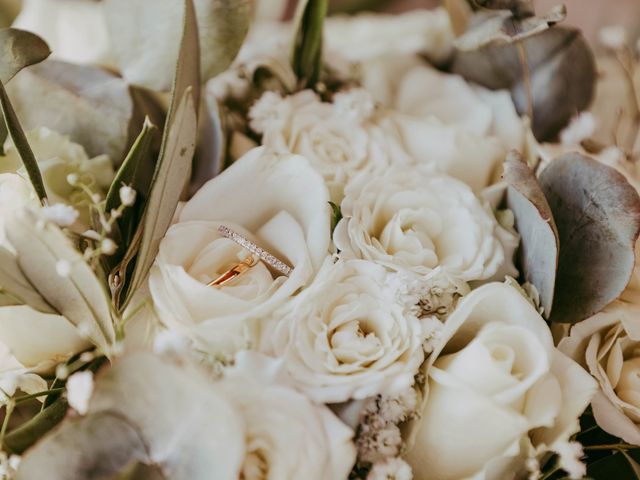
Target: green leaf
x: 597, y: 213
x: 146, y: 36
x: 19, y: 50
x: 23, y: 437
x: 132, y: 172
x: 554, y: 68
x: 307, y: 45
x: 336, y: 215
x: 79, y: 296
x: 173, y: 169
x: 534, y: 221
x: 13, y: 280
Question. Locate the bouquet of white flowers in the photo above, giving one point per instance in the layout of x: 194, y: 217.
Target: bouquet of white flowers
x: 335, y: 248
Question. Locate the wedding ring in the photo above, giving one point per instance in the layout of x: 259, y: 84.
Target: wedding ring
x: 261, y: 253
x: 234, y: 272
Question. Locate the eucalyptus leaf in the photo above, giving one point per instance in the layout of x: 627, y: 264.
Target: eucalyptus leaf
x: 97, y: 109
x: 555, y: 67
x: 502, y: 27
x: 519, y: 8
x: 149, y: 410
x: 79, y: 296
x: 307, y: 44
x: 597, y: 213
x: 146, y: 36
x: 13, y: 281
x: 539, y: 244
x: 173, y: 169
x: 147, y: 391
x: 92, y: 448
x: 19, y: 50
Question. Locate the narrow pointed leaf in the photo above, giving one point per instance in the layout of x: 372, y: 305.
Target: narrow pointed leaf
x: 597, y: 213
x: 307, y: 46
x: 173, y: 169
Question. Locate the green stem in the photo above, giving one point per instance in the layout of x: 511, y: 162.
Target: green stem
x: 613, y: 446
x: 27, y: 434
x: 7, y: 416
x: 24, y: 398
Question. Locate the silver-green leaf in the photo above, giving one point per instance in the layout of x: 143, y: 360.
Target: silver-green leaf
x: 597, y: 213
x: 539, y: 244
x: 16, y: 286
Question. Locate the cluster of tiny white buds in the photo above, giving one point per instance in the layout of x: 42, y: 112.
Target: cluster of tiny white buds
x: 73, y: 179
x: 108, y: 247
x: 613, y: 37
x: 127, y: 196
x: 63, y: 268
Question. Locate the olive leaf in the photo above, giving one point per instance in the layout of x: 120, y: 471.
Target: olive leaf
x: 597, y: 213
x: 552, y: 73
x: 173, y: 169
x: 146, y: 36
x: 79, y: 296
x: 133, y: 172
x: 97, y: 109
x: 306, y: 57
x: 502, y: 27
x: 17, y: 285
x: 618, y: 464
x: 538, y: 232
x: 136, y: 401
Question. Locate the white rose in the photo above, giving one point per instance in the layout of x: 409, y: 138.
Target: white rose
x: 347, y: 337
x: 279, y: 202
x: 279, y: 420
x: 75, y: 31
x: 366, y: 37
x: 608, y: 345
x: 425, y: 92
x: 496, y: 370
x: 418, y: 219
x: 58, y: 158
x: 340, y: 139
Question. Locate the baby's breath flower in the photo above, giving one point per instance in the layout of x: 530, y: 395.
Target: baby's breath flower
x: 571, y: 454
x: 72, y: 179
x: 60, y: 214
x: 79, y: 391
x: 613, y: 37
x: 108, y: 247
x: 390, y: 469
x: 63, y: 268
x: 127, y: 196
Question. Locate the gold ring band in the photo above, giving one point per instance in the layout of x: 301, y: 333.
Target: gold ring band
x: 234, y: 272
